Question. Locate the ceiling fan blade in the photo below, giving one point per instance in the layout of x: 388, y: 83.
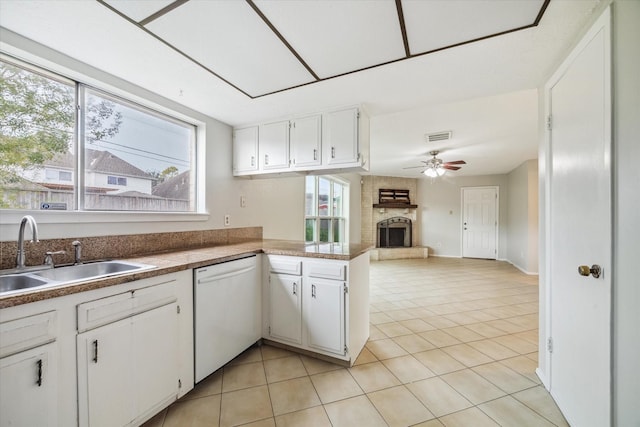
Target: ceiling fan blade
x: 456, y: 162
x: 451, y: 168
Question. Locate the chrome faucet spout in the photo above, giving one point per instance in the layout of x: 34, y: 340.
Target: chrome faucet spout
x: 27, y: 219
x: 78, y: 252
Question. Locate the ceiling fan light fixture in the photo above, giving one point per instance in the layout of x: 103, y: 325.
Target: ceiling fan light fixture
x: 434, y: 172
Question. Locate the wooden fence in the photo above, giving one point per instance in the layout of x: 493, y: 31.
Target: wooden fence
x: 34, y: 199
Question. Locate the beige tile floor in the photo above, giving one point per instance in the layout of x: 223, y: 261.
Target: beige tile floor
x: 453, y: 343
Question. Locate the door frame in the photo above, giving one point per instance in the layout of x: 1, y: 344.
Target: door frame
x: 546, y: 187
x: 497, y: 228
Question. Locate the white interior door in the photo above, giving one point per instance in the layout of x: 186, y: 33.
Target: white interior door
x: 580, y: 230
x: 480, y: 222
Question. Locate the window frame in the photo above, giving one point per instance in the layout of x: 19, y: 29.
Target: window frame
x: 77, y: 212
x: 342, y: 220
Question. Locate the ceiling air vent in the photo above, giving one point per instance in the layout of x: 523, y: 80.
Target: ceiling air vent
x: 438, y: 136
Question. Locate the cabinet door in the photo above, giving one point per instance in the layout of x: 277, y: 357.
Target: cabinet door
x: 340, y: 137
x: 285, y: 297
x: 305, y: 141
x: 274, y: 146
x: 155, y: 358
x: 245, y: 150
x: 105, y: 396
x: 324, y: 314
x: 28, y: 386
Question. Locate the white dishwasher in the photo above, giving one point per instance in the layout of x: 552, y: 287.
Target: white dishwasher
x: 228, y: 311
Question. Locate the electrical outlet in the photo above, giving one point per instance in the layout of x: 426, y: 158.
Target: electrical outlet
x: 227, y: 220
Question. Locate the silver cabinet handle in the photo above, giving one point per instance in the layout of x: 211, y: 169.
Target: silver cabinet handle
x: 95, y: 351
x: 315, y: 154
x: 266, y: 159
x: 333, y: 152
x: 313, y: 291
x: 295, y: 288
x: 253, y: 161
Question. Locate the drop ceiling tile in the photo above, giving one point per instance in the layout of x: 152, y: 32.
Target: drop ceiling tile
x: 436, y: 24
x: 138, y: 9
x: 335, y: 37
x: 229, y: 38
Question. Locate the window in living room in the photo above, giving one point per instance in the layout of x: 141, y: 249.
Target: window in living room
x: 326, y: 209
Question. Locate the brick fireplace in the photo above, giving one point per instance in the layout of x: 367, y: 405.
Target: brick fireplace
x: 375, y: 213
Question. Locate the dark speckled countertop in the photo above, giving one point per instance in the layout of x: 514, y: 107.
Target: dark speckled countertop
x: 169, y: 262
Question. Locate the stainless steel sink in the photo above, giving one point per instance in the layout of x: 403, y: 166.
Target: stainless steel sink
x: 64, y: 275
x: 15, y: 282
x: 90, y: 271
x: 94, y: 270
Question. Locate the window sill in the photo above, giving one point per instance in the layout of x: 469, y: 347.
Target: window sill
x: 102, y: 217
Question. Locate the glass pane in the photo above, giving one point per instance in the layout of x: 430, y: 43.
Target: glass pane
x: 309, y: 230
x: 337, y: 199
x: 324, y: 230
x: 324, y: 186
x: 338, y: 230
x: 135, y: 159
x: 36, y: 140
x: 310, y: 196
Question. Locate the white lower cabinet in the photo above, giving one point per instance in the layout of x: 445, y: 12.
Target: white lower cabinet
x: 128, y: 369
x: 28, y: 388
x: 309, y: 304
x: 323, y: 303
x: 28, y: 369
x: 285, y: 299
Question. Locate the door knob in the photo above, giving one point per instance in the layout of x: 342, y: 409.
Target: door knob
x: 594, y: 270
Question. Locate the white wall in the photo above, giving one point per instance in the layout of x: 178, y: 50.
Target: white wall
x: 626, y: 239
x: 522, y: 223
x: 439, y: 208
x: 276, y: 204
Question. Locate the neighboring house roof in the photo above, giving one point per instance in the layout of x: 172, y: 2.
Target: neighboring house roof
x: 99, y: 161
x: 174, y: 188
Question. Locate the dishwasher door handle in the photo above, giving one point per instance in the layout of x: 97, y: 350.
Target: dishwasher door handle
x: 214, y: 278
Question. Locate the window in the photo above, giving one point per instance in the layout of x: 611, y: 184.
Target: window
x: 325, y: 212
x: 57, y: 175
x: 126, y: 157
x: 116, y: 180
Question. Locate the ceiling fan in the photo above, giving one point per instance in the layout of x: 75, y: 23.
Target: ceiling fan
x: 435, y: 167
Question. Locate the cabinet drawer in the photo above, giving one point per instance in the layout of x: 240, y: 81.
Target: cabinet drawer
x: 326, y: 270
x: 28, y: 332
x: 285, y: 265
x: 110, y: 309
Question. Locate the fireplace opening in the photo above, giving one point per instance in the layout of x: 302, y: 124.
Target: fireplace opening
x: 394, y: 233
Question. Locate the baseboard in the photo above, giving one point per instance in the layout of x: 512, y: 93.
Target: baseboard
x: 529, y: 273
x: 543, y: 378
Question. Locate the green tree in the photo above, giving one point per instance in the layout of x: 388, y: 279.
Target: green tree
x: 37, y: 120
x: 160, y: 177
x: 169, y: 172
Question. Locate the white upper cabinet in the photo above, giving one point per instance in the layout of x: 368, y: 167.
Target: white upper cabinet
x: 336, y: 140
x: 340, y: 137
x: 245, y: 150
x: 273, y: 142
x: 306, y: 137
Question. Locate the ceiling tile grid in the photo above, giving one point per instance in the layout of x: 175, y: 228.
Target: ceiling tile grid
x: 262, y: 47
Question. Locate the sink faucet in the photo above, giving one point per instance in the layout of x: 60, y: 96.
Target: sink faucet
x: 78, y: 251
x: 20, y: 258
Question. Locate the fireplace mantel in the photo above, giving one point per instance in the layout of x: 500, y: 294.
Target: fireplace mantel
x: 394, y: 205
